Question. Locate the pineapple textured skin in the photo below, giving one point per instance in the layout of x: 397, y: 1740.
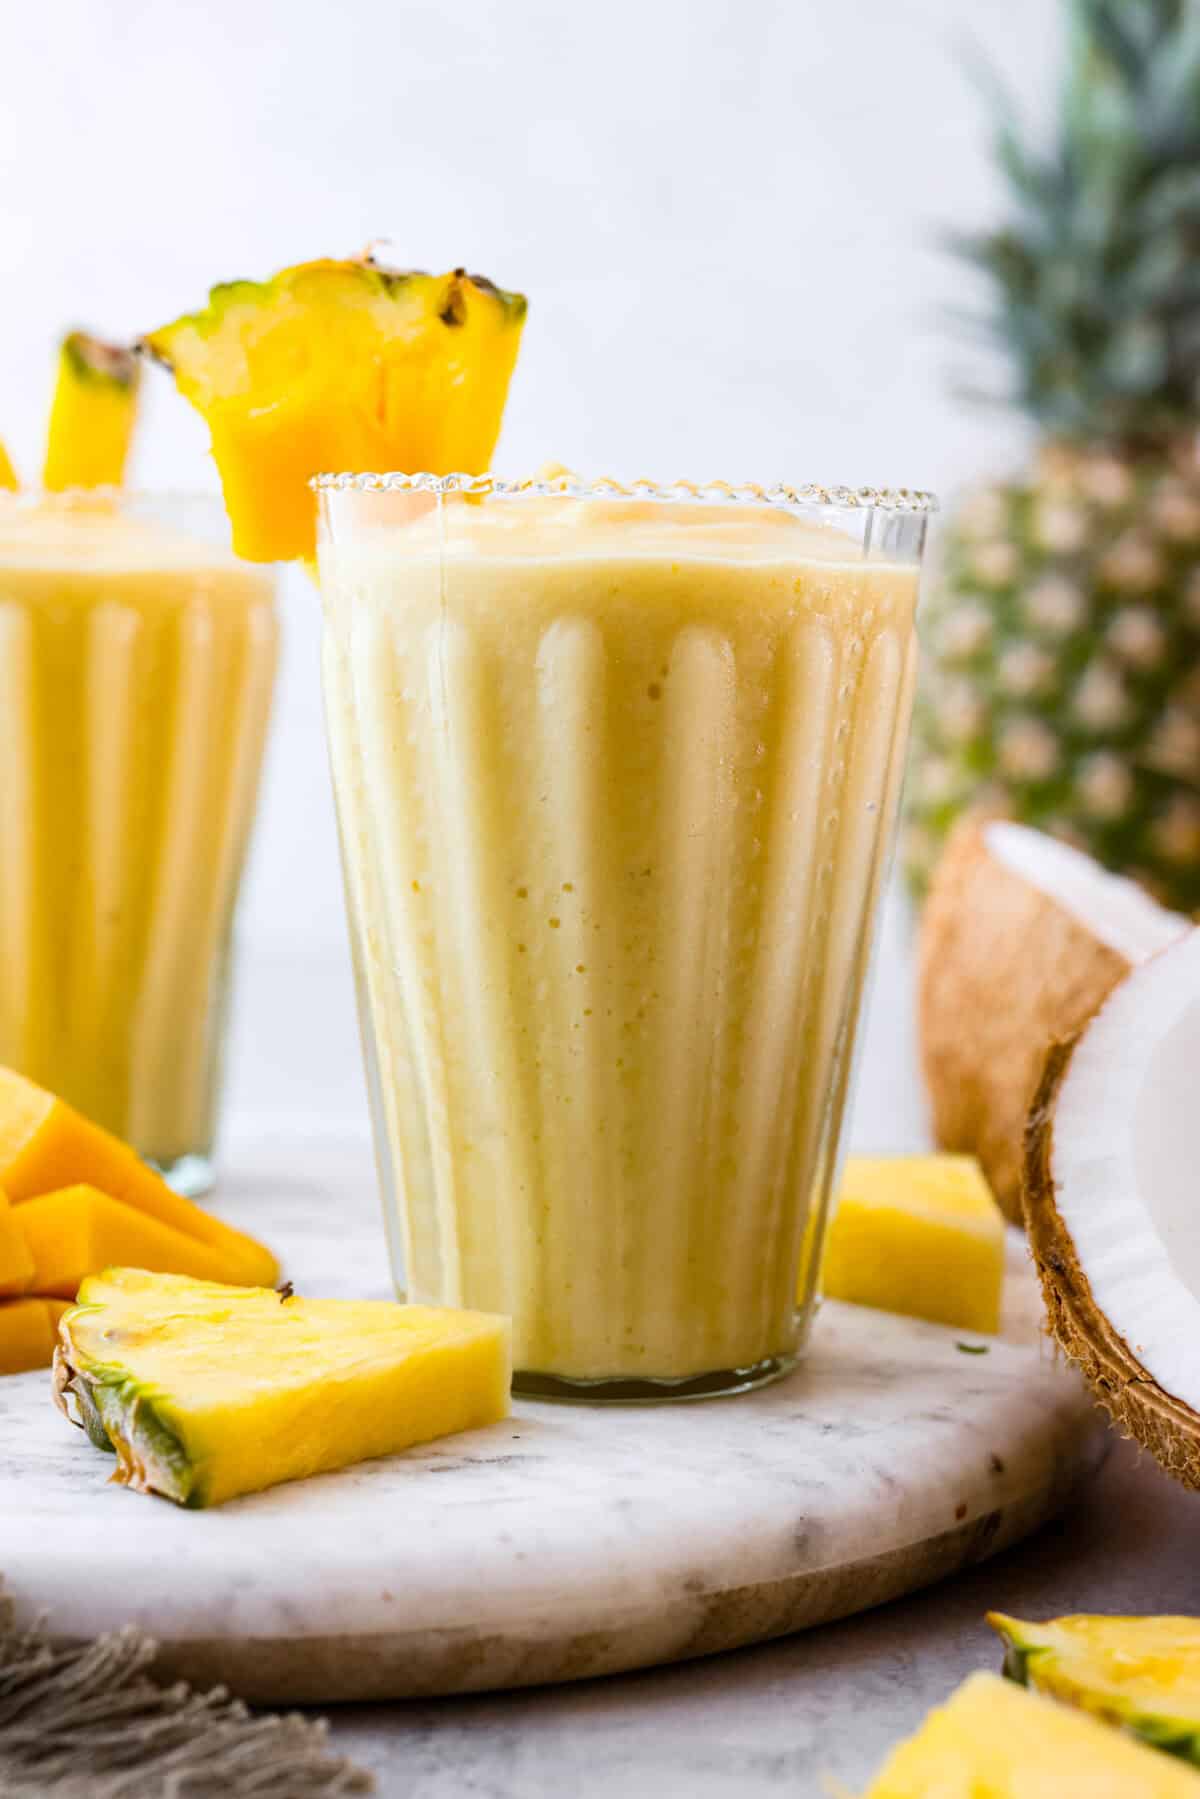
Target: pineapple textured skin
x: 1061, y: 674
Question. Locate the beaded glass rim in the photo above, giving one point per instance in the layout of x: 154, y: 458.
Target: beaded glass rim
x: 858, y: 499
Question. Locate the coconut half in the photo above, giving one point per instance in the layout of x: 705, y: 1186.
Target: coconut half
x: 1022, y: 937
x: 1112, y: 1159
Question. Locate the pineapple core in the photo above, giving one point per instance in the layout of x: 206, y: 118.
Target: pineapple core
x: 920, y: 1235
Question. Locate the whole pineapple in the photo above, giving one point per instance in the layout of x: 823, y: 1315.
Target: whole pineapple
x: 1062, y: 646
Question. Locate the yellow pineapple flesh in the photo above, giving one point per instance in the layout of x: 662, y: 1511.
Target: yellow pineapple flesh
x: 93, y: 415
x: 992, y: 1740
x: 1142, y: 1674
x: 340, y: 366
x: 920, y: 1235
x: 207, y: 1391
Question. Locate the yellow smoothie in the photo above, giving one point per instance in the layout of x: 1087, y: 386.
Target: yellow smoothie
x: 616, y: 781
x: 136, y: 666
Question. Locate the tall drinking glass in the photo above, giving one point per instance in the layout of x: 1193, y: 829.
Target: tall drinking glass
x: 616, y: 772
x: 137, y: 658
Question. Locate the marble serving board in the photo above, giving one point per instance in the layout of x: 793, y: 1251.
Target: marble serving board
x: 568, y: 1541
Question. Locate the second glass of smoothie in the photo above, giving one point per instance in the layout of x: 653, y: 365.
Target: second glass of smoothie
x: 137, y: 659
x: 616, y: 773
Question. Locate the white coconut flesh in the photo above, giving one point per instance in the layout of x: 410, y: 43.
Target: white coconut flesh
x: 1117, y: 912
x: 1125, y: 1164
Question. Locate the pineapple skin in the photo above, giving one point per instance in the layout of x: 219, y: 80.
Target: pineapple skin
x: 1141, y: 1674
x: 1060, y: 679
x: 206, y: 1392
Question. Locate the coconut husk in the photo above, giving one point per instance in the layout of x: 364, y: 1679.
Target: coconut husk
x: 1002, y: 970
x: 1139, y: 1407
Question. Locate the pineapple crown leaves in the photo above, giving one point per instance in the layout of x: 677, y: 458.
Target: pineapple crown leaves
x: 1095, y: 273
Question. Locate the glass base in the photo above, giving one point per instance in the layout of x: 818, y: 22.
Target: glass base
x: 625, y: 1390
x: 191, y: 1175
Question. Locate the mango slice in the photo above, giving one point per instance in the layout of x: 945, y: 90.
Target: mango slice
x: 79, y: 1230
x: 45, y: 1145
x: 16, y: 1262
x: 93, y: 414
x: 340, y: 365
x: 8, y: 474
x: 206, y: 1391
x: 27, y: 1333
x: 920, y: 1235
x: 993, y: 1740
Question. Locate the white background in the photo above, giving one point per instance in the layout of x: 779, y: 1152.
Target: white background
x: 725, y: 213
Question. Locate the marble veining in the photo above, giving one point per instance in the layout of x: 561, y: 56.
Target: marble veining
x: 566, y: 1541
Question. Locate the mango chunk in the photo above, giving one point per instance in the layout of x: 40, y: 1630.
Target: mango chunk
x: 8, y: 474
x: 45, y: 1145
x: 920, y: 1235
x: 16, y: 1262
x: 204, y: 1392
x: 27, y: 1333
x: 79, y: 1230
x: 993, y: 1740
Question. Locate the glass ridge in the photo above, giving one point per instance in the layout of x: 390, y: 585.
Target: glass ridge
x: 882, y: 499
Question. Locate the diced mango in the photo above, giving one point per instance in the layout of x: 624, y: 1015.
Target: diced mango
x: 16, y: 1263
x: 79, y: 1230
x: 45, y: 1145
x: 920, y: 1235
x: 27, y: 1333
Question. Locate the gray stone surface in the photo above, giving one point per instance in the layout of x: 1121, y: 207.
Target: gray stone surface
x: 777, y: 1722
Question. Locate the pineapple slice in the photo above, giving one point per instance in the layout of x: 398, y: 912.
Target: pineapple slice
x: 8, y: 474
x: 993, y: 1741
x: 206, y: 1391
x: 46, y: 1145
x: 340, y: 365
x: 27, y: 1333
x: 93, y: 414
x: 1140, y: 1673
x: 920, y: 1235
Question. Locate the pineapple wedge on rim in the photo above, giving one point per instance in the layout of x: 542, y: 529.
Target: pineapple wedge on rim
x: 344, y: 365
x: 206, y: 1391
x: 1142, y: 1674
x: 93, y: 414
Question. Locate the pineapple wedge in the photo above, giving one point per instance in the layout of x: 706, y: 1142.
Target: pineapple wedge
x: 1140, y: 1673
x: 991, y: 1740
x: 340, y: 366
x: 93, y: 414
x: 920, y: 1235
x: 206, y: 1391
x: 8, y: 474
